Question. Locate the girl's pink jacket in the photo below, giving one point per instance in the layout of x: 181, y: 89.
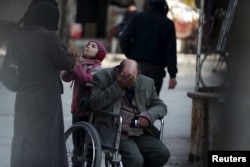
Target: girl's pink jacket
x: 80, y: 75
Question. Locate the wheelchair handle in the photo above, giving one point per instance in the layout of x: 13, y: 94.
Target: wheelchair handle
x: 89, y: 85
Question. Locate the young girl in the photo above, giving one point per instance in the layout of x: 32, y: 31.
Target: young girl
x: 86, y: 65
x: 81, y: 75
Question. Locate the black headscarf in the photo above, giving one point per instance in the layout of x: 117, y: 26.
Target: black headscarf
x: 44, y: 14
x: 34, y: 2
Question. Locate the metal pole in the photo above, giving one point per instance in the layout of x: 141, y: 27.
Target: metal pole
x: 226, y: 26
x: 199, y: 46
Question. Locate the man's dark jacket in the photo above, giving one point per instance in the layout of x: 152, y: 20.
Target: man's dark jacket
x: 150, y: 37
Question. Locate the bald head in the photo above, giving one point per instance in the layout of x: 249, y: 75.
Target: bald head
x: 129, y: 66
x: 127, y: 73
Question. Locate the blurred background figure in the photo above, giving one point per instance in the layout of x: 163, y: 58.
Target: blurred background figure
x: 119, y: 28
x: 131, y: 11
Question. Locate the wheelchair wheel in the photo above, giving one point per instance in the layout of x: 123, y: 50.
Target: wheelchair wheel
x: 83, y: 145
x: 109, y: 161
x: 214, y: 70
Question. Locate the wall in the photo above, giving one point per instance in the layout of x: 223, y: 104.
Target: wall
x: 12, y: 10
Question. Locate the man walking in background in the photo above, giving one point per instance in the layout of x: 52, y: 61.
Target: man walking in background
x: 150, y: 39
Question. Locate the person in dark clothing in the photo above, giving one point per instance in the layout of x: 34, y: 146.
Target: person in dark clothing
x: 33, y: 3
x: 150, y: 39
x: 38, y: 122
x: 128, y: 15
x: 116, y: 30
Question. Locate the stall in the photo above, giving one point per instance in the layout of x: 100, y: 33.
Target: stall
x: 209, y: 102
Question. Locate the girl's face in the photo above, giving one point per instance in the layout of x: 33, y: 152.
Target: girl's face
x: 90, y: 50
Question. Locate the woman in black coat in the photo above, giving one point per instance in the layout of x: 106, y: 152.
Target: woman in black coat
x: 38, y: 123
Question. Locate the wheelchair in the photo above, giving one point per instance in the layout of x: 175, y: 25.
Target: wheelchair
x: 88, y: 152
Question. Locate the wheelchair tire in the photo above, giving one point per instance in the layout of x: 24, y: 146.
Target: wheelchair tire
x: 89, y: 150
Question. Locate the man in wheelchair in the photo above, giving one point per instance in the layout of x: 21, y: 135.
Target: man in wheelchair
x: 123, y: 90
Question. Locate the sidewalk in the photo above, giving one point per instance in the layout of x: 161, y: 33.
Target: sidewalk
x: 177, y: 122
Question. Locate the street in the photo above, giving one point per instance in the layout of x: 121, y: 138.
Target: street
x: 177, y: 122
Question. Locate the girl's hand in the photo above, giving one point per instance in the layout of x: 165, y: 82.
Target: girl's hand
x: 76, y: 58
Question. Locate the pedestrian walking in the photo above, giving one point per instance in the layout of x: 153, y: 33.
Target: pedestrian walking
x: 150, y: 39
x: 38, y: 121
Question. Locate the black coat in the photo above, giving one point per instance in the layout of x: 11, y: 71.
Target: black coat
x: 38, y: 122
x: 150, y: 37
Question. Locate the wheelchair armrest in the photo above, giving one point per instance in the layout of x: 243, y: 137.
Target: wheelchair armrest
x: 89, y: 85
x: 112, y: 115
x: 161, y: 119
x: 118, y: 129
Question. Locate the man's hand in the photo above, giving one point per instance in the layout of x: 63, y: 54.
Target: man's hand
x: 126, y: 81
x: 142, y: 122
x: 172, y: 83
